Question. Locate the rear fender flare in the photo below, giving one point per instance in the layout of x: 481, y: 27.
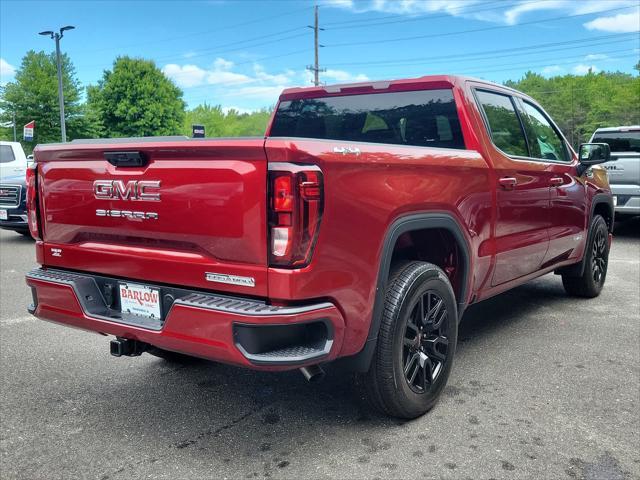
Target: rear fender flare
x: 420, y: 221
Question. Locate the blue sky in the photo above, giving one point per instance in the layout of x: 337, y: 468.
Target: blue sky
x: 242, y: 53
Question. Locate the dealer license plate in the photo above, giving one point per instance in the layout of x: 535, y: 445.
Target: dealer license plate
x: 139, y: 300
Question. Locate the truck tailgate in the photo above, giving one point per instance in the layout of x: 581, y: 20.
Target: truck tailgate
x: 193, y: 215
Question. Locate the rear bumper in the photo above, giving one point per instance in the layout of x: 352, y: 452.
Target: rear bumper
x: 234, y: 330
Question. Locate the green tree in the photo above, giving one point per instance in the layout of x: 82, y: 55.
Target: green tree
x: 581, y: 103
x: 135, y: 99
x: 217, y: 123
x: 33, y: 95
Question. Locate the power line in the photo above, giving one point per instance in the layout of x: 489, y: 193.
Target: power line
x: 571, y: 60
x: 449, y: 13
x: 212, y: 51
x: 475, y: 30
x: 515, y: 54
x: 476, y: 70
x: 403, y: 16
x: 195, y: 34
x: 491, y: 53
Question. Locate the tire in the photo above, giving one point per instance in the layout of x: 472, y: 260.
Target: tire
x: 596, y: 261
x: 169, y: 356
x: 417, y: 340
x: 24, y: 233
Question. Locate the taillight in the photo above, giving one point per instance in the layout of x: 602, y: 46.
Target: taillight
x: 295, y: 210
x: 32, y: 201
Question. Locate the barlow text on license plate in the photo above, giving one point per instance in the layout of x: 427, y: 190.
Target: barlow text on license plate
x: 139, y: 300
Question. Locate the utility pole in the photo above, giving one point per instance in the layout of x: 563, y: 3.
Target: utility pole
x: 15, y: 137
x: 57, y: 37
x: 316, y: 66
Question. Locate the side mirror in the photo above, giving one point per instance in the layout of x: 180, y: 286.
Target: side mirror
x: 592, y: 154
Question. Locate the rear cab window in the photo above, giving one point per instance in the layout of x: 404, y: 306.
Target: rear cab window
x: 620, y: 141
x: 424, y: 118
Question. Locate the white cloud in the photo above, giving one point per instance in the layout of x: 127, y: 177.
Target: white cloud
x: 552, y: 70
x: 510, y: 14
x: 583, y: 69
x: 190, y: 54
x: 622, y: 22
x: 596, y: 56
x: 185, y: 75
x: 264, y: 93
x: 249, y: 89
x: 7, y: 71
x: 222, y: 64
x: 344, y: 77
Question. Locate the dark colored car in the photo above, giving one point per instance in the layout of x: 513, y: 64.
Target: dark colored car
x: 359, y: 228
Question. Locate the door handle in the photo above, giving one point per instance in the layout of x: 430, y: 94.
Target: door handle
x: 508, y: 183
x: 556, y: 181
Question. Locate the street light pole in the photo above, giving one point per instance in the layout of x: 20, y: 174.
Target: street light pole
x: 63, y: 126
x: 57, y: 37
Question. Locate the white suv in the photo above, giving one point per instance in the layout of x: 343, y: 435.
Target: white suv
x: 13, y: 169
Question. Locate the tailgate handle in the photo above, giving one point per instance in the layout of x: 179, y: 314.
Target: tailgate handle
x: 126, y: 159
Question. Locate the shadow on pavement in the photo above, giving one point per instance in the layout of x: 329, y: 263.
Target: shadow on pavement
x: 14, y: 238
x: 627, y: 228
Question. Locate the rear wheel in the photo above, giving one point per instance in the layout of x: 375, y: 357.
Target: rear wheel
x: 596, y: 261
x: 416, y: 342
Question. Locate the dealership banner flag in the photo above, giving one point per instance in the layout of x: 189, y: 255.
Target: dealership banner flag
x: 28, y: 130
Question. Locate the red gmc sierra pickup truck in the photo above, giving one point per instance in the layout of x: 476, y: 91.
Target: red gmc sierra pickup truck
x: 358, y: 228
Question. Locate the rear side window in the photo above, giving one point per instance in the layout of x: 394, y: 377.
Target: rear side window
x: 504, y: 124
x: 6, y: 154
x: 620, y: 141
x: 426, y: 118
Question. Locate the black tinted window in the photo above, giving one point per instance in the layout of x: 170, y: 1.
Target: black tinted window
x: 504, y: 124
x: 620, y: 141
x: 6, y: 154
x: 426, y: 118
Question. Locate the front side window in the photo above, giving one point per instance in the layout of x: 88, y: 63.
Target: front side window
x: 425, y: 118
x: 504, y: 124
x: 544, y: 140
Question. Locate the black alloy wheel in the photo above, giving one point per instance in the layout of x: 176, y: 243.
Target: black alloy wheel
x: 599, y: 256
x: 425, y: 342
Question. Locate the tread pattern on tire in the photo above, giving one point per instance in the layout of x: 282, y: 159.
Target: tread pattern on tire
x: 379, y: 381
x: 583, y: 285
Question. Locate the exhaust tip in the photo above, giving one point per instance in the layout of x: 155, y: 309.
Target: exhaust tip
x: 312, y: 373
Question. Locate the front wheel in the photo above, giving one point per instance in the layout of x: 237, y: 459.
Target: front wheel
x: 596, y: 261
x: 416, y: 341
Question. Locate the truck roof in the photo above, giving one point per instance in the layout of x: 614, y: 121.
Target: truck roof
x: 363, y: 87
x: 623, y: 128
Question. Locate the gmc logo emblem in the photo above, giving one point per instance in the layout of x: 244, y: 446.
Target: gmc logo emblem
x: 131, y: 190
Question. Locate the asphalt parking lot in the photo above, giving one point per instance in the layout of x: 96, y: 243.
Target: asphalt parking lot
x: 544, y: 387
